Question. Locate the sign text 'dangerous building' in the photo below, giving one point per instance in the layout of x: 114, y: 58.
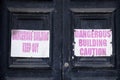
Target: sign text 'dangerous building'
x: 92, y: 42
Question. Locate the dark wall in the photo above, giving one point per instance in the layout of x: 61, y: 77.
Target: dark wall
x: 0, y: 35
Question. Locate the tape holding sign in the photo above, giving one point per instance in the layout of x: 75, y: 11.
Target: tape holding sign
x: 30, y: 43
x: 92, y: 42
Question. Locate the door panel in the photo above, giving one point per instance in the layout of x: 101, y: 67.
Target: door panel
x: 94, y: 19
x: 88, y: 15
x: 42, y: 20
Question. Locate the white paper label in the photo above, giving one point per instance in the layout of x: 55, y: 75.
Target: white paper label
x: 30, y: 43
x: 92, y: 42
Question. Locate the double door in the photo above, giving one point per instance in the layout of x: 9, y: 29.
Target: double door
x: 60, y: 40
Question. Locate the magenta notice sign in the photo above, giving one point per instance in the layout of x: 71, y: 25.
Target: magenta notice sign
x: 92, y: 42
x: 30, y: 43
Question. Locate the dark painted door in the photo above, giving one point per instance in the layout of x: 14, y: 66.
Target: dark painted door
x: 31, y: 15
x: 91, y: 15
x: 62, y: 19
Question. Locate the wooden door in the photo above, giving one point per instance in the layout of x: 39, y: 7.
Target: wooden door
x: 63, y: 20
x: 80, y: 18
x: 31, y: 15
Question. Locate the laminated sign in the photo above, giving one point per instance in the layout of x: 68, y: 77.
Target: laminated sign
x: 92, y: 42
x: 30, y: 43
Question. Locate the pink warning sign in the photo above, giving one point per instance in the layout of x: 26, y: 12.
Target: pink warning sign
x: 30, y: 43
x: 92, y: 42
